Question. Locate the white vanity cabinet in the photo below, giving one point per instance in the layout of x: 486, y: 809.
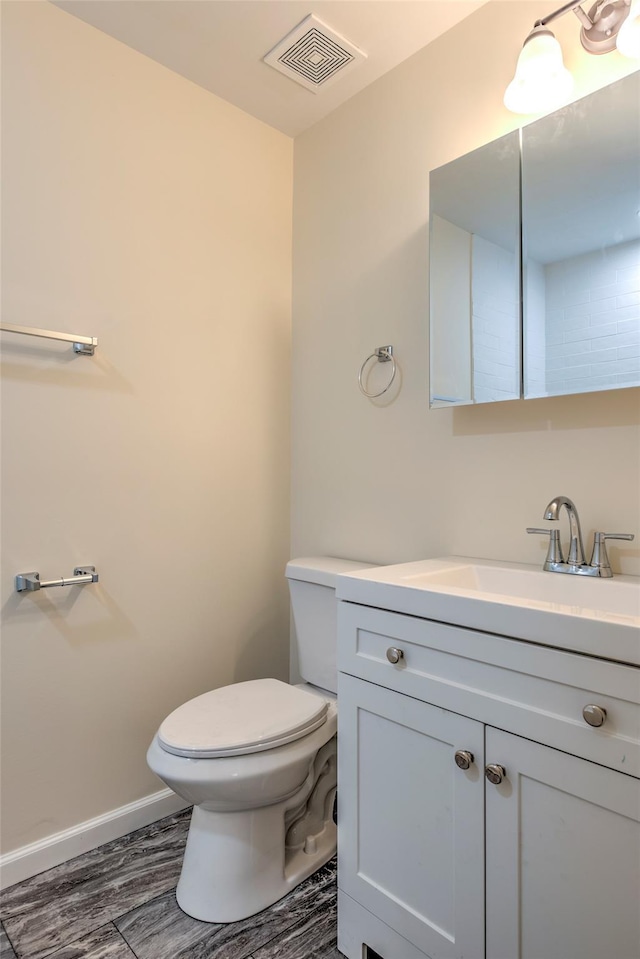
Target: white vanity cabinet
x: 412, y: 824
x: 436, y: 861
x: 562, y: 856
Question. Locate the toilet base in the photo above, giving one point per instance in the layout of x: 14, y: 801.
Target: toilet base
x: 236, y: 863
x: 260, y: 824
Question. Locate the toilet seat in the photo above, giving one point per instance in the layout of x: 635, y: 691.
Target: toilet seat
x: 240, y: 719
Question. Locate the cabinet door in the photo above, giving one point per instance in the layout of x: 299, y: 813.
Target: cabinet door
x: 411, y: 833
x: 563, y: 856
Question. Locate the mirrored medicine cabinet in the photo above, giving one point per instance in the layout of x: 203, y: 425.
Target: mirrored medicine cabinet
x: 534, y: 257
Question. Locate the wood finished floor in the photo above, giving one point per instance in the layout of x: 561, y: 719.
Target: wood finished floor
x: 118, y: 902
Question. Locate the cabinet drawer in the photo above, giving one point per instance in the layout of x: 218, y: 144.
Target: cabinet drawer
x: 531, y: 690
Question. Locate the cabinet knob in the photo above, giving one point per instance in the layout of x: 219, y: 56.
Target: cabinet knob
x: 394, y: 655
x: 594, y: 715
x: 495, y: 774
x: 463, y: 758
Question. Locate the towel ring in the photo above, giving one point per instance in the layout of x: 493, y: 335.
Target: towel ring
x: 384, y: 354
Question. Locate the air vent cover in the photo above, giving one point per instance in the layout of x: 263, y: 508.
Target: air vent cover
x: 314, y: 55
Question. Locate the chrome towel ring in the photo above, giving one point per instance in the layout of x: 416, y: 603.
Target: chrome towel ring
x: 384, y: 354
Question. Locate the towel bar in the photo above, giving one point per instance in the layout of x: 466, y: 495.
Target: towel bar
x: 81, y: 344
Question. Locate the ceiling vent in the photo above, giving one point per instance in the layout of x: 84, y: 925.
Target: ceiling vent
x: 314, y: 55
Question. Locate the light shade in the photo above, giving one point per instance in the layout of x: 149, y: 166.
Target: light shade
x: 628, y: 39
x: 541, y: 81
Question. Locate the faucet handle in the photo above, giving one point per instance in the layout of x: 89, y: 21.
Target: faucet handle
x: 599, y: 557
x: 554, y: 553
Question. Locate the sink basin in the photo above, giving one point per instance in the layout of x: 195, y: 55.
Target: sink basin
x: 614, y: 597
x: 599, y: 617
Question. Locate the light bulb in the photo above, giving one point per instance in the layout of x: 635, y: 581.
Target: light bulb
x: 541, y: 80
x: 628, y: 39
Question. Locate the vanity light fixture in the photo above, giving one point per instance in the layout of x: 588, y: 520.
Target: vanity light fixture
x: 541, y: 81
x: 628, y: 39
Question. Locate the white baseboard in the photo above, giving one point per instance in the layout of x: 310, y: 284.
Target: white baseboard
x: 30, y: 860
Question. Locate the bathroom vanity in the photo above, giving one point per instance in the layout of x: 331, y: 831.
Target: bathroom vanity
x: 489, y: 763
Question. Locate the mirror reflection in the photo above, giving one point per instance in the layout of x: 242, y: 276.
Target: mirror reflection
x: 474, y: 276
x: 581, y: 244
x: 579, y: 326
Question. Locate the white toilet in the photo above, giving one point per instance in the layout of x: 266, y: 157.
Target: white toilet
x: 258, y: 762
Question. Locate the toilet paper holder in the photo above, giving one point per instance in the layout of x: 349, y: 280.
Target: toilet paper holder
x: 30, y: 582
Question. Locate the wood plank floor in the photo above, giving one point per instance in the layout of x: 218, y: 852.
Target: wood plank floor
x: 118, y: 902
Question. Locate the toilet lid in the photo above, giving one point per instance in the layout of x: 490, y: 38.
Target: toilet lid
x: 242, y: 718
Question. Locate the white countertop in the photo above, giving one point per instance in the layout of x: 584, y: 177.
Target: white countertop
x: 598, y: 617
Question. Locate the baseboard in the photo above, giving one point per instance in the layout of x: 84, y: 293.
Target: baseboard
x: 30, y: 860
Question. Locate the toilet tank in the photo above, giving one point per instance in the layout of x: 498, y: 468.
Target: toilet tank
x: 312, y: 585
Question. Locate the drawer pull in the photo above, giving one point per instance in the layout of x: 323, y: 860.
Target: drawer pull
x: 495, y: 774
x: 394, y: 655
x: 463, y: 758
x: 594, y: 715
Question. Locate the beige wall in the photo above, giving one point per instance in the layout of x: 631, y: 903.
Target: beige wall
x: 142, y: 210
x: 392, y: 481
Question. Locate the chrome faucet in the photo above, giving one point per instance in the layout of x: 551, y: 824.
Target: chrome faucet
x: 575, y: 563
x: 576, y: 549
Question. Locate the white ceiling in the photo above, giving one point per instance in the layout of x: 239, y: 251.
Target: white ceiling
x: 219, y: 44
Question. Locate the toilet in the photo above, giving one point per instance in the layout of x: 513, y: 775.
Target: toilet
x: 257, y: 760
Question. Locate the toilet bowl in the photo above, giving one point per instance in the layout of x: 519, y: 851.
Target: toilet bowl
x: 258, y: 762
